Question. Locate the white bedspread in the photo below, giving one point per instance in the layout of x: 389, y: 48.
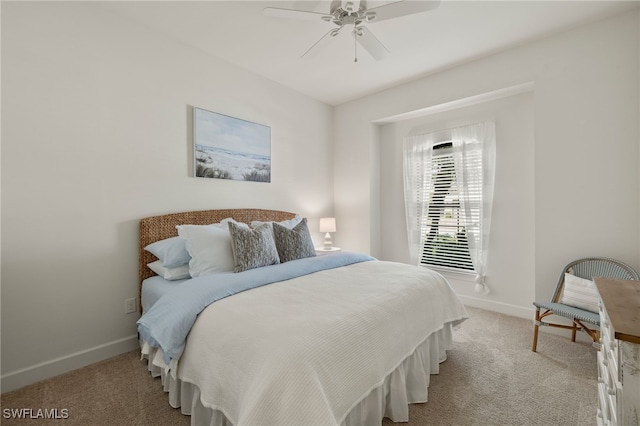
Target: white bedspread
x: 307, y: 350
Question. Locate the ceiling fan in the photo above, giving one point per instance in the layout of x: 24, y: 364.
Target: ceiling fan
x: 354, y: 14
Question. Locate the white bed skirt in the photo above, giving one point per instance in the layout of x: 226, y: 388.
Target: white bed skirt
x: 407, y: 384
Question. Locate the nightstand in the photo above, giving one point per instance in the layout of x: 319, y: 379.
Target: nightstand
x: 321, y: 250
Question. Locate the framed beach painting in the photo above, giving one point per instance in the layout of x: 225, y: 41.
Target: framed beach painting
x: 230, y: 148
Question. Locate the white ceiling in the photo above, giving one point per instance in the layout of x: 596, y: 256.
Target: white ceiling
x: 420, y: 44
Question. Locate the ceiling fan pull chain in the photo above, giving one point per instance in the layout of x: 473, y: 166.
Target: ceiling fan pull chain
x: 355, y: 45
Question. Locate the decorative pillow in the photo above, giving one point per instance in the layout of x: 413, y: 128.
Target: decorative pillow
x: 580, y: 293
x: 288, y: 223
x: 170, y: 274
x: 172, y: 252
x: 209, y: 247
x: 252, y: 248
x: 295, y: 243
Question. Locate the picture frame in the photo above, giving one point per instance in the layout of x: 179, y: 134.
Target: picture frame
x: 226, y: 147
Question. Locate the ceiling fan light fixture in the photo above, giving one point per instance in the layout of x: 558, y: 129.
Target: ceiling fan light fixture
x: 370, y: 16
x: 327, y: 18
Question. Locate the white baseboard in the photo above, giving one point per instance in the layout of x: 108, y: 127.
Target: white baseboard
x: 502, y: 308
x: 45, y: 370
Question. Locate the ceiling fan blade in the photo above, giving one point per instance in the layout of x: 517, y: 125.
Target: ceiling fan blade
x: 402, y: 8
x: 371, y: 44
x: 313, y: 50
x: 277, y: 12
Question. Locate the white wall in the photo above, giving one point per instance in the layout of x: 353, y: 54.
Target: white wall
x: 585, y: 183
x: 96, y: 135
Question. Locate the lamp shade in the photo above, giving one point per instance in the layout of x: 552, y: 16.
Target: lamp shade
x: 327, y: 224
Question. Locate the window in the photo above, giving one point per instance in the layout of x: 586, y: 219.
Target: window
x: 445, y: 242
x: 448, y: 180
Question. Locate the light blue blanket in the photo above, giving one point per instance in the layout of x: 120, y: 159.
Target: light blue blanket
x: 168, y: 322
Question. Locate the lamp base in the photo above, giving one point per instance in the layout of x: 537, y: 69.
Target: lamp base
x: 328, y: 245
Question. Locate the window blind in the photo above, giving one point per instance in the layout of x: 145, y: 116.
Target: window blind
x: 445, y: 235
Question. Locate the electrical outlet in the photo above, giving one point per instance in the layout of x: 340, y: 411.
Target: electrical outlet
x: 130, y: 306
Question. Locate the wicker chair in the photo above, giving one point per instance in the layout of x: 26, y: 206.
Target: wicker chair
x: 584, y: 268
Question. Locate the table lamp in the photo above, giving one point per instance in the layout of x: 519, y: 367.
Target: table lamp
x: 327, y: 225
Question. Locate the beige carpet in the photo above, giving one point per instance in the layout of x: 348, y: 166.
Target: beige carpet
x: 491, y: 377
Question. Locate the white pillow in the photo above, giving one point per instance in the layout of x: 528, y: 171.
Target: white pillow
x: 209, y: 247
x: 290, y: 223
x: 580, y: 293
x: 171, y: 274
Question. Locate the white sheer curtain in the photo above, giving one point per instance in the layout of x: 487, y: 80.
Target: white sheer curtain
x: 473, y: 144
x: 418, y: 151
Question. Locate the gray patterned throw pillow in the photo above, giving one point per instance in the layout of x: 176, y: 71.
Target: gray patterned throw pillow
x: 252, y: 248
x: 295, y: 243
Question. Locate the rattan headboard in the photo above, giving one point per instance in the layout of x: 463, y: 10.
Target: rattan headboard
x: 157, y: 228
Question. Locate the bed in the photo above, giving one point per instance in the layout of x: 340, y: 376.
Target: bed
x: 285, y: 339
